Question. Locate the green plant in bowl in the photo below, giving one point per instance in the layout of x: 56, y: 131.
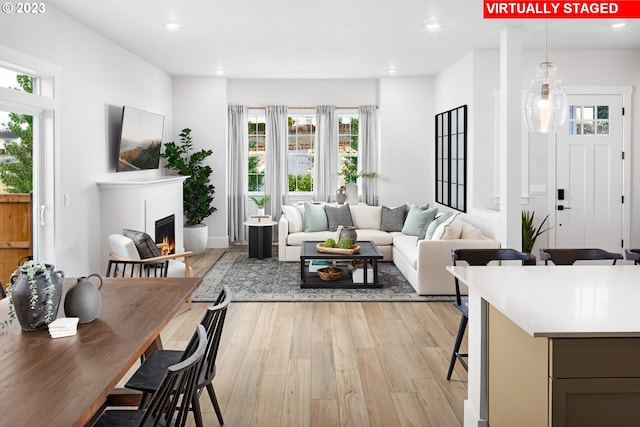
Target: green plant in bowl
x: 329, y: 243
x: 345, y: 243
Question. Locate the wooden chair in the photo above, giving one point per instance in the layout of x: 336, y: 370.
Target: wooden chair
x: 170, y: 404
x: 474, y: 257
x: 632, y: 255
x: 147, y: 378
x: 570, y: 256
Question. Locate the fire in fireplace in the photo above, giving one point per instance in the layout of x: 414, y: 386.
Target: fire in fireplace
x: 166, y: 234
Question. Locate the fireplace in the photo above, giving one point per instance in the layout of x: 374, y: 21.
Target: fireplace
x: 166, y: 234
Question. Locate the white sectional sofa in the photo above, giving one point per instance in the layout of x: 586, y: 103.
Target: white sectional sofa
x: 423, y: 262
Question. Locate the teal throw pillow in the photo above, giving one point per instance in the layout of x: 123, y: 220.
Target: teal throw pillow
x: 315, y: 218
x: 435, y: 223
x: 417, y: 218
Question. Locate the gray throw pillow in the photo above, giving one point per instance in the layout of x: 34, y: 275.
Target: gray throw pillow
x: 423, y: 232
x: 144, y: 243
x: 338, y: 216
x: 392, y: 219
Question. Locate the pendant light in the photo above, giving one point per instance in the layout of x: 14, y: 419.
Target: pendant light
x: 545, y: 107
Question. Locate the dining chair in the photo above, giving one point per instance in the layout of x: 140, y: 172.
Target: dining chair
x: 147, y: 378
x: 570, y: 256
x: 632, y: 255
x: 118, y: 268
x: 474, y: 257
x: 169, y: 405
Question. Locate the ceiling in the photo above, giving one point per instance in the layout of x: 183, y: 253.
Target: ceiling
x: 322, y: 39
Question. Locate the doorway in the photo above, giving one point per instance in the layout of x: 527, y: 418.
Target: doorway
x: 588, y: 201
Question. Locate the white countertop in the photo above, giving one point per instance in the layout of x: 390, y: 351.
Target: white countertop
x: 562, y: 301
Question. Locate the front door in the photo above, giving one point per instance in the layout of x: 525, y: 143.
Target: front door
x: 589, y: 174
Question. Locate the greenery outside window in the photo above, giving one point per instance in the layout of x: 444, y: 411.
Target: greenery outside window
x: 302, y: 133
x: 348, y: 147
x: 256, y: 154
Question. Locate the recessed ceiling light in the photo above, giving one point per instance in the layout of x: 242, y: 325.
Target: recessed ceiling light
x: 219, y: 71
x: 619, y: 25
x: 172, y: 26
x: 391, y: 70
x: 432, y: 26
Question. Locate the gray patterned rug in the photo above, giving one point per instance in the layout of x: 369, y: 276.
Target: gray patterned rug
x: 269, y: 280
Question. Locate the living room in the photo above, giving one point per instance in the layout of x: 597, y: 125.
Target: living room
x: 89, y: 77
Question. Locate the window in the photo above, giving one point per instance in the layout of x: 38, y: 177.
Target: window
x: 589, y: 120
x: 302, y: 133
x: 348, y: 147
x: 256, y: 153
x: 451, y: 158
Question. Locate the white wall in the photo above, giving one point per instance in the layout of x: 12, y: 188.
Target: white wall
x: 200, y: 104
x: 407, y: 149
x: 97, y: 78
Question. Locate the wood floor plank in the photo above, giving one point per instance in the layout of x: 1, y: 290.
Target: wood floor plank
x: 268, y: 408
x: 321, y: 317
x: 414, y: 363
x: 323, y: 371
x: 280, y: 346
x: 392, y: 365
x: 242, y: 400
x: 263, y: 329
x: 343, y: 350
x: 301, y: 335
x: 325, y: 413
x: 410, y: 410
x: 351, y: 400
x: 377, y: 395
x: 360, y: 334
x: 373, y: 314
x: 435, y: 403
x: 296, y: 406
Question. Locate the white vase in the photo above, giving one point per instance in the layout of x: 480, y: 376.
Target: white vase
x: 195, y: 238
x: 352, y: 193
x: 260, y: 211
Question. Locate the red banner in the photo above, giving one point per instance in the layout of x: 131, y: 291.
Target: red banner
x: 628, y: 9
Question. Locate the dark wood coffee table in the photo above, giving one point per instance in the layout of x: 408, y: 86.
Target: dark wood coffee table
x: 369, y: 253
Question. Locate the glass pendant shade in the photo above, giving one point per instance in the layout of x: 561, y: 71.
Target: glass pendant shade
x: 545, y: 107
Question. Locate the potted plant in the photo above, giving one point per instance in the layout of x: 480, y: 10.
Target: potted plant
x: 260, y: 202
x: 530, y: 233
x: 34, y: 295
x: 197, y: 191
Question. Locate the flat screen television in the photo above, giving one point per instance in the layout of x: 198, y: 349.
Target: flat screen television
x: 140, y: 140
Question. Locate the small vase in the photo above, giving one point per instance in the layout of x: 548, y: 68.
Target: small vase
x: 83, y: 300
x: 38, y: 317
x: 260, y: 211
x: 341, y: 195
x: 348, y: 231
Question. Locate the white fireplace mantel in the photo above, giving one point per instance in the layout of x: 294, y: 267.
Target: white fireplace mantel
x: 137, y: 204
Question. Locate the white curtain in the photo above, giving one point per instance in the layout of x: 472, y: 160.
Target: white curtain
x: 237, y: 116
x: 325, y: 181
x: 276, y: 184
x: 368, y: 147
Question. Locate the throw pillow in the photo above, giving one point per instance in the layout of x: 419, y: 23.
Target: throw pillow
x: 144, y: 243
x: 338, y: 216
x: 417, y: 218
x: 292, y: 214
x: 435, y: 223
x: 470, y: 232
x: 423, y: 232
x: 392, y: 219
x: 448, y: 230
x: 315, y: 219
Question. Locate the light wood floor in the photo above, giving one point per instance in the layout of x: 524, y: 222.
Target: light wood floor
x: 331, y: 364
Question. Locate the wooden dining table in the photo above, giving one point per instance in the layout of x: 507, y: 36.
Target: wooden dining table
x: 67, y: 381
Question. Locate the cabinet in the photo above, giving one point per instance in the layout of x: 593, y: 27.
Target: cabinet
x: 560, y: 382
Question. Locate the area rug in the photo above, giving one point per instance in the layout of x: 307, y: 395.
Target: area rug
x: 269, y: 280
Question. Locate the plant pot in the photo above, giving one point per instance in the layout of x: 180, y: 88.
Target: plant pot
x: 195, y: 238
x: 260, y: 211
x: 531, y: 261
x: 36, y: 316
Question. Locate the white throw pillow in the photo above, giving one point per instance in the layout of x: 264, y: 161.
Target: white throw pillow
x: 448, y: 230
x: 292, y: 214
x: 470, y: 232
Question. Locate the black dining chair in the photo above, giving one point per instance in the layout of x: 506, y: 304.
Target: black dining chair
x: 147, y: 378
x: 632, y: 255
x: 570, y: 256
x: 474, y: 257
x: 169, y: 406
x: 119, y: 268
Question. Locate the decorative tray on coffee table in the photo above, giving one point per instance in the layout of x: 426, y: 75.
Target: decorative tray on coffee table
x: 354, y: 250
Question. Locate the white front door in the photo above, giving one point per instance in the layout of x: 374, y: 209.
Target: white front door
x: 589, y: 174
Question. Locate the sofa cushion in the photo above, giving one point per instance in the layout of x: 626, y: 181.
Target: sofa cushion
x: 406, y: 245
x: 417, y: 218
x: 338, y: 216
x: 379, y: 238
x: 392, y: 219
x: 365, y: 216
x: 315, y: 219
x: 144, y: 243
x: 296, y: 239
x: 294, y: 217
x: 470, y: 232
x: 448, y: 230
x: 435, y: 223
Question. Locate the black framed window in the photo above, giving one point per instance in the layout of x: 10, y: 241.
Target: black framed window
x: 451, y: 158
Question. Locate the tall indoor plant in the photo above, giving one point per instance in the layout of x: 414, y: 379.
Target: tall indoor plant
x: 530, y: 233
x: 197, y: 192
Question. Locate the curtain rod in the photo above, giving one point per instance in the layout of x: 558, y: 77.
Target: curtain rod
x: 305, y: 108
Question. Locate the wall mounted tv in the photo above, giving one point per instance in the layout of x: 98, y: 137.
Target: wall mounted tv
x: 140, y: 140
